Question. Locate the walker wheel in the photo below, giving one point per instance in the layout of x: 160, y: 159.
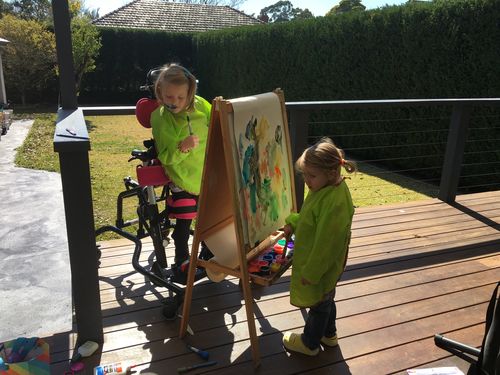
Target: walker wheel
x: 171, y: 305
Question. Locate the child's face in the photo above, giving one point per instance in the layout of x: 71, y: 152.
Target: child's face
x: 175, y: 96
x: 316, y: 178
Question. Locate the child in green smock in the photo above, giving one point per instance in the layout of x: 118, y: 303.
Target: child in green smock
x: 322, y: 233
x: 180, y: 131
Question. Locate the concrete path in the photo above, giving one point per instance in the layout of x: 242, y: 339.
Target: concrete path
x: 35, y: 279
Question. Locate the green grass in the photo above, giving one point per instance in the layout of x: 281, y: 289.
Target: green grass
x: 37, y: 150
x: 113, y: 137
x: 368, y: 188
x: 112, y: 140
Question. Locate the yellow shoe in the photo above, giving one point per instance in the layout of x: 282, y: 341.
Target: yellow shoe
x: 293, y: 342
x: 330, y: 341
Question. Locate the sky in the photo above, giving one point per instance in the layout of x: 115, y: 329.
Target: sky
x: 317, y: 7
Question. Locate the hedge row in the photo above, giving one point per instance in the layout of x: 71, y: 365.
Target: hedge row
x: 443, y: 49
x: 447, y: 48
x: 424, y: 50
x: 124, y: 60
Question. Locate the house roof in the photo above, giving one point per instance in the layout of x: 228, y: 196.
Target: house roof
x: 174, y: 17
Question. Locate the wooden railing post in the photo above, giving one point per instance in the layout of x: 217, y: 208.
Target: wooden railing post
x: 453, y: 157
x: 77, y: 197
x: 298, y: 138
x: 72, y: 143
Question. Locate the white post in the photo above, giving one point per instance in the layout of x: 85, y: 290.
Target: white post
x: 3, y: 95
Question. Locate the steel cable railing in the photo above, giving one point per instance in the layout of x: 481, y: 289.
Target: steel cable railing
x: 405, y: 162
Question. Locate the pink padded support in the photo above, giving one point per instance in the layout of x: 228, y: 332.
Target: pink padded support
x: 143, y: 110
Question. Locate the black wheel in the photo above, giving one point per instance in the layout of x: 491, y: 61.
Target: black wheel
x: 170, y: 307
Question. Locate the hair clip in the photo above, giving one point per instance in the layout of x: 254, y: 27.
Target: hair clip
x: 187, y: 73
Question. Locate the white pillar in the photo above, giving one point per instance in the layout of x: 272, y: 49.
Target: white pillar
x: 3, y: 95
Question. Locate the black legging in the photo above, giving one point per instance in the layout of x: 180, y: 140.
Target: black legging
x: 181, y: 238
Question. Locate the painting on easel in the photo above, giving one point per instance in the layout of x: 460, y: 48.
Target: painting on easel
x: 262, y: 167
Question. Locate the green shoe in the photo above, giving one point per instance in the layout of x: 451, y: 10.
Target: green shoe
x: 293, y: 342
x: 330, y: 341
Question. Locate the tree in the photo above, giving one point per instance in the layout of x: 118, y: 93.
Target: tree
x: 32, y: 9
x: 283, y: 11
x: 346, y: 6
x: 5, y: 8
x: 86, y: 42
x: 30, y: 57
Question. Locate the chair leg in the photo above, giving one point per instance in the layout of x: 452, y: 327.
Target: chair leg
x: 457, y: 348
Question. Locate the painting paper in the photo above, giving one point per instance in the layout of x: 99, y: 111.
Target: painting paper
x: 262, y: 168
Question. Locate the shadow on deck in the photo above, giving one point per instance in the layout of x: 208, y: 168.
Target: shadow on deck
x: 414, y: 270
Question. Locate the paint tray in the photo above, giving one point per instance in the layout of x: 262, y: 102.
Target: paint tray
x: 272, y: 278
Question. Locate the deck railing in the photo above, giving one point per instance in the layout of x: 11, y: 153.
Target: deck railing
x: 75, y: 171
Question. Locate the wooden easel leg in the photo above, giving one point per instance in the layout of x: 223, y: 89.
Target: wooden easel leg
x: 247, y: 295
x: 188, y: 295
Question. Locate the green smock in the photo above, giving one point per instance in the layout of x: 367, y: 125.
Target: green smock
x: 322, y: 234
x: 169, y: 129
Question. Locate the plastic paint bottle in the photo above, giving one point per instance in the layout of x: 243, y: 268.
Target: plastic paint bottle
x: 116, y: 368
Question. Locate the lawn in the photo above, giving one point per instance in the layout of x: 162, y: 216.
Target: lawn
x: 113, y: 138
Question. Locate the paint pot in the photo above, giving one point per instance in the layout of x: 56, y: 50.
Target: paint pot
x: 268, y: 258
x: 264, y: 271
x: 280, y: 259
x: 254, y: 262
x: 278, y: 248
x: 254, y: 269
x: 282, y: 242
x: 275, y: 267
x: 263, y: 263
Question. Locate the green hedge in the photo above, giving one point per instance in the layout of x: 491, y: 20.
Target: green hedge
x: 423, y: 50
x: 124, y: 60
x: 440, y: 49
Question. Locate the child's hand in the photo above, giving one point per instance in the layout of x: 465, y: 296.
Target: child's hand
x: 305, y: 281
x: 288, y: 231
x: 189, y: 143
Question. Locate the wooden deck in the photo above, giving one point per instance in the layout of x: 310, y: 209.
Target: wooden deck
x: 414, y: 270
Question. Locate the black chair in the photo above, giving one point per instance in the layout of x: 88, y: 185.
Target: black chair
x: 484, y: 361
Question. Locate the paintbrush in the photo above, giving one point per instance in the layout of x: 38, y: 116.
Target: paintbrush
x: 189, y: 126
x: 170, y: 107
x: 182, y: 370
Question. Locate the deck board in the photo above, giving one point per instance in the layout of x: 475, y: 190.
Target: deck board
x: 414, y: 270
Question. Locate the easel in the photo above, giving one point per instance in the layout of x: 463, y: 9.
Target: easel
x: 219, y: 208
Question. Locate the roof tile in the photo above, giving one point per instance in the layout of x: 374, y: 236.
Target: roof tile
x: 175, y: 17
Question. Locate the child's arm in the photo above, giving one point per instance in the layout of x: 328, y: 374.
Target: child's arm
x: 167, y: 147
x: 188, y: 143
x: 292, y: 221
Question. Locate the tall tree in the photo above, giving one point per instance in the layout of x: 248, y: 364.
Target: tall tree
x: 346, y: 6
x: 30, y: 57
x: 86, y: 42
x: 32, y: 9
x: 283, y: 11
x: 5, y: 8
